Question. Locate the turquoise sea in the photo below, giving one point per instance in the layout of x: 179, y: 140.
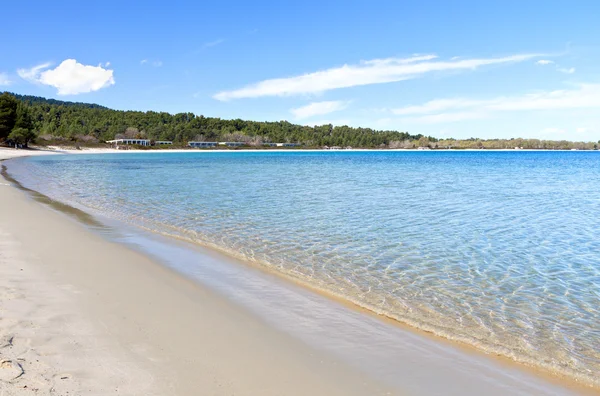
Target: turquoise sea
x: 500, y: 250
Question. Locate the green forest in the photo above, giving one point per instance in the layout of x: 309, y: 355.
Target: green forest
x: 55, y: 120
x: 31, y: 119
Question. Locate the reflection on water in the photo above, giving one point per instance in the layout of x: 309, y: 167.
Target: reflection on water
x: 497, y: 249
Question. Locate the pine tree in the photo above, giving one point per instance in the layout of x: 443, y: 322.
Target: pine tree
x: 8, y: 114
x: 22, y: 132
x: 23, y: 118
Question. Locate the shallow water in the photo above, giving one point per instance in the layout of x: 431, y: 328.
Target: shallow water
x: 496, y: 249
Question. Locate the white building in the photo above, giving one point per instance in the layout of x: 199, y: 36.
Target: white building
x: 162, y: 142
x: 126, y: 142
x: 287, y: 144
x: 202, y: 144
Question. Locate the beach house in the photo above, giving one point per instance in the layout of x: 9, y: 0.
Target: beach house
x: 231, y: 144
x: 288, y: 144
x: 127, y: 142
x: 202, y: 144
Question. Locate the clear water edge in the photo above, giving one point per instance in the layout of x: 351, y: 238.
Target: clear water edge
x: 359, y: 294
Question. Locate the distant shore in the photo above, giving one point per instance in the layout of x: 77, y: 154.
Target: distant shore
x: 37, y: 150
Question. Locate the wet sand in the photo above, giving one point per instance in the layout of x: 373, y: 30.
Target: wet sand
x: 82, y: 315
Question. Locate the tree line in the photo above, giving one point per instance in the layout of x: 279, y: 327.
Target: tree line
x: 54, y: 119
x: 24, y: 119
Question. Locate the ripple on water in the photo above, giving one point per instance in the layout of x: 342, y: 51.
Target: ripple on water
x: 497, y: 249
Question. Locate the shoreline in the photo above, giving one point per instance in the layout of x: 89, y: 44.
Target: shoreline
x: 120, y: 322
x: 552, y: 377
x: 308, y: 150
x: 91, y: 150
x: 541, y: 372
x: 437, y: 346
x: 570, y: 379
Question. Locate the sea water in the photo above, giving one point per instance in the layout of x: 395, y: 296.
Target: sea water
x: 500, y: 250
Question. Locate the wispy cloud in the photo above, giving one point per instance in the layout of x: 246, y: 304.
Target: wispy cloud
x: 375, y: 71
x: 4, y: 79
x: 155, y: 63
x: 319, y: 108
x: 565, y: 70
x: 585, y: 96
x: 213, y: 43
x: 70, y: 77
x: 32, y: 74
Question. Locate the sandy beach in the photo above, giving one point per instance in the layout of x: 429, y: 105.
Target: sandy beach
x: 74, y: 321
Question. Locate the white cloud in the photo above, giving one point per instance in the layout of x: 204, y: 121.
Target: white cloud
x: 396, y: 61
x: 4, y: 80
x: 566, y: 71
x: 585, y: 96
x: 367, y: 72
x: 544, y: 62
x: 70, y: 77
x: 319, y: 108
x: 156, y: 63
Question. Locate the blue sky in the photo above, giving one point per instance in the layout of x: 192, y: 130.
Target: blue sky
x: 442, y: 68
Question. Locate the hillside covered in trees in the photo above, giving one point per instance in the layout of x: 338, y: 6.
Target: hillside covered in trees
x: 24, y: 119
x: 90, y: 122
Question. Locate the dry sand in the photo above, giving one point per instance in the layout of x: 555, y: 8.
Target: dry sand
x: 82, y: 315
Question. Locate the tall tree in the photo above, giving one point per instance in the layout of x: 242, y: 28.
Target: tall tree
x: 23, y: 118
x: 8, y: 114
x: 22, y: 132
